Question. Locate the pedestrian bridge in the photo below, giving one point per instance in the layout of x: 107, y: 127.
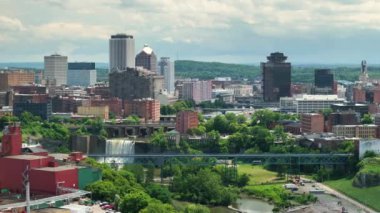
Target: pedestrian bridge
x: 264, y: 158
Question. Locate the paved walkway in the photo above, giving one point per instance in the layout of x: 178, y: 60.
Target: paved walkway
x: 343, y: 196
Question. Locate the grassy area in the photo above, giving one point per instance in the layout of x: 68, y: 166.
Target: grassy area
x: 273, y: 192
x: 257, y: 174
x: 278, y: 195
x: 368, y: 196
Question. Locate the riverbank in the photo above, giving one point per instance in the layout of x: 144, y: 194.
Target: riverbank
x: 367, y: 196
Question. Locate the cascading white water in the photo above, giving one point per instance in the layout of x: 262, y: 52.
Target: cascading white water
x: 120, y: 146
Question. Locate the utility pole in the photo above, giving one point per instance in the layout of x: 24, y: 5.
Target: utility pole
x: 26, y: 182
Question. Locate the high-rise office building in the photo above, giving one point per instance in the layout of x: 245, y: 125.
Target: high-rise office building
x: 167, y: 70
x: 122, y: 52
x: 147, y: 59
x: 276, y: 77
x: 56, y: 69
x: 323, y: 78
x: 81, y: 74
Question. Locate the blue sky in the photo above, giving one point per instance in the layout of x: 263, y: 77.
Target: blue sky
x: 240, y: 31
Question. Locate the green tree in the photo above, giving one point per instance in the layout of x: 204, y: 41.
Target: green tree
x: 102, y: 190
x: 203, y: 187
x: 159, y: 139
x: 243, y: 180
x: 159, y: 192
x: 221, y: 124
x: 265, y: 118
x: 262, y: 138
x: 137, y: 171
x: 241, y: 119
x: 367, y: 119
x: 157, y: 207
x: 134, y: 202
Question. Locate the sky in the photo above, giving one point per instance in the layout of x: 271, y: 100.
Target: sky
x: 231, y: 31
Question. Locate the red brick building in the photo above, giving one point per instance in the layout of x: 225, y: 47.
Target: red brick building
x: 312, y: 123
x: 186, y: 120
x: 359, y: 95
x: 147, y: 108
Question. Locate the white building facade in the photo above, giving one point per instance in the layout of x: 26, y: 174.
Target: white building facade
x: 305, y: 103
x: 56, y: 69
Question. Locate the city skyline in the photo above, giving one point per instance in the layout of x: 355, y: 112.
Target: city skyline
x: 307, y: 31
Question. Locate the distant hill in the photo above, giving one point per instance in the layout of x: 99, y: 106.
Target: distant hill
x: 300, y: 73
x: 209, y: 70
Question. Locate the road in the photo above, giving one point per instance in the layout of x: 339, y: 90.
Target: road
x: 330, y: 201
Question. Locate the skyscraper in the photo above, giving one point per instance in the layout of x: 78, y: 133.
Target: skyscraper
x: 56, y: 69
x: 147, y: 59
x: 167, y: 70
x: 122, y: 52
x: 276, y: 77
x: 323, y: 78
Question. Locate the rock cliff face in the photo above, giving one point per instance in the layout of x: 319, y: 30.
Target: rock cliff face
x: 369, y: 173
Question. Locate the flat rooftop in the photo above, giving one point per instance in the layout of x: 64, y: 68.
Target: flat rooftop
x: 56, y: 169
x: 26, y: 157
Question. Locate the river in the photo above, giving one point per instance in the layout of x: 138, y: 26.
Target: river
x: 247, y: 205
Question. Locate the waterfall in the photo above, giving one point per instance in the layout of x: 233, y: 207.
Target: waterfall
x: 120, y: 146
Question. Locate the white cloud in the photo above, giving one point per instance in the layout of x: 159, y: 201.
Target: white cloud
x: 12, y: 24
x: 70, y: 30
x: 191, y: 26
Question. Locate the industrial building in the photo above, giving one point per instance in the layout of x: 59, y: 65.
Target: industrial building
x: 47, y: 175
